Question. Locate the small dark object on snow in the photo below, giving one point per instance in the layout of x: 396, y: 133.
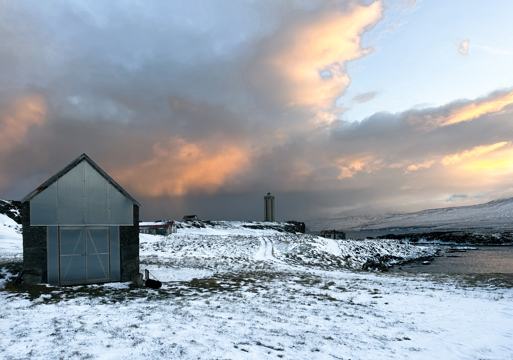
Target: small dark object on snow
x: 154, y: 284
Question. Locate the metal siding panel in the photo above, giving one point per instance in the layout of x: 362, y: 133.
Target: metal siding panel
x: 97, y: 240
x: 70, y: 188
x: 115, y: 263
x: 97, y: 254
x: 121, y: 208
x: 53, y: 255
x: 72, y: 256
x: 43, y: 207
x: 73, y: 270
x: 72, y: 241
x: 98, y: 268
x: 96, y: 197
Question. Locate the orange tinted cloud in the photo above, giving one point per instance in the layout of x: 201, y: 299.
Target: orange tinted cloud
x: 457, y: 112
x: 310, y: 59
x: 482, y: 166
x: 497, y: 161
x: 423, y: 165
x: 179, y: 167
x: 349, y: 167
x: 475, y: 152
x: 476, y: 109
x: 17, y: 117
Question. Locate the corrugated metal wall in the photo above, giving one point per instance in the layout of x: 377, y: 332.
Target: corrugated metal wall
x: 81, y: 197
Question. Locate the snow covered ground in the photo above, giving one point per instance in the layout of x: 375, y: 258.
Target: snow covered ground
x: 11, y: 246
x: 238, y: 293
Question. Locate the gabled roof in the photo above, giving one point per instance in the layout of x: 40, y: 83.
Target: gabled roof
x: 70, y: 166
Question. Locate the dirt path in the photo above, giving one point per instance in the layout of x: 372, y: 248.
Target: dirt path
x: 265, y: 252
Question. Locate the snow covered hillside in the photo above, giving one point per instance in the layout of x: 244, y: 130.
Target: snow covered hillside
x: 494, y: 214
x: 234, y: 292
x: 246, y: 251
x: 11, y: 245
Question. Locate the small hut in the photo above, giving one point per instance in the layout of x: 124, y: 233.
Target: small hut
x: 333, y: 234
x: 80, y: 227
x: 158, y: 228
x: 188, y: 218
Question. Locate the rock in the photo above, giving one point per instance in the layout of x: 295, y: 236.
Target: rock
x: 137, y: 280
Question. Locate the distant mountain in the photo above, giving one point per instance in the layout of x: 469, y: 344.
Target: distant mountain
x: 493, y: 214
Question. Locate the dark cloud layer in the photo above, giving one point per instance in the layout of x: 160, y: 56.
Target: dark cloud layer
x: 195, y: 108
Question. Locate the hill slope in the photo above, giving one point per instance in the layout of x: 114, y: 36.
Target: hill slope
x: 493, y: 214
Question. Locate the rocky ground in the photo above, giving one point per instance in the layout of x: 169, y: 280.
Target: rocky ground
x: 484, y: 237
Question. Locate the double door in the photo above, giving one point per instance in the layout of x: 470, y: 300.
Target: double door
x: 84, y: 255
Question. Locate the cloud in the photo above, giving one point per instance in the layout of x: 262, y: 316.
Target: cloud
x: 206, y: 111
x: 409, y: 3
x: 423, y: 165
x: 475, y: 109
x: 492, y: 50
x: 206, y: 154
x: 457, y: 197
x: 179, y: 167
x: 494, y: 164
x: 349, y: 167
x: 475, y: 152
x: 305, y: 63
x: 365, y: 97
x: 17, y: 115
x: 464, y: 46
x: 459, y: 111
x: 20, y: 116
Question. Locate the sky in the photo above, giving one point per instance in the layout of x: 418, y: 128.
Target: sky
x: 338, y: 108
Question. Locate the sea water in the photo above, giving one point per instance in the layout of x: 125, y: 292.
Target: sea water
x: 468, y: 260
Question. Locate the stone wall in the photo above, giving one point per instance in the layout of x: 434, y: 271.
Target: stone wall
x: 129, y: 244
x: 34, y: 249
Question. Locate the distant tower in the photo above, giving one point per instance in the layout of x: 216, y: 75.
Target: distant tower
x: 269, y: 207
